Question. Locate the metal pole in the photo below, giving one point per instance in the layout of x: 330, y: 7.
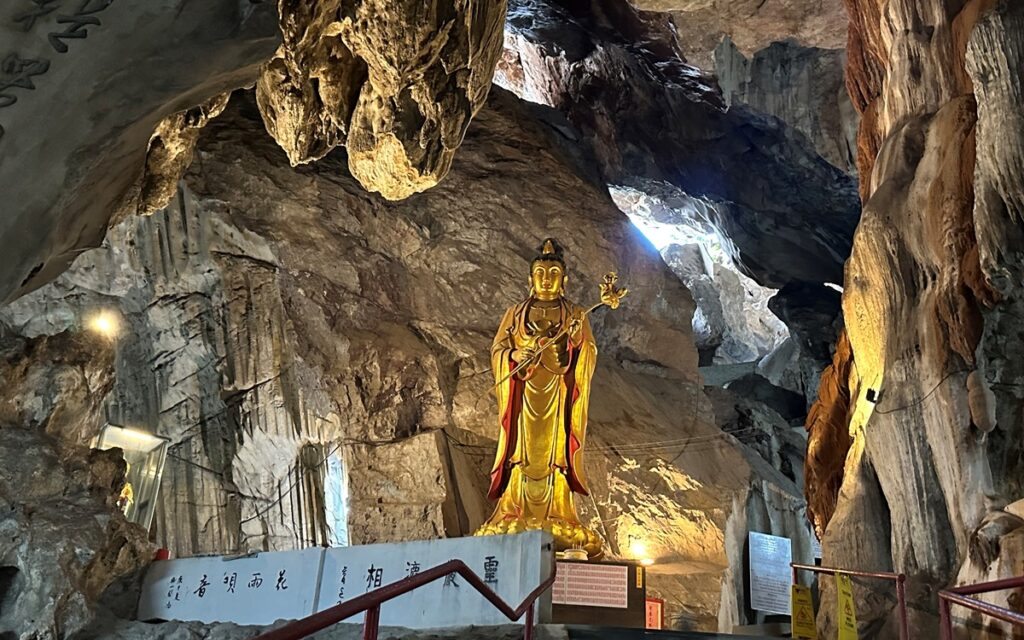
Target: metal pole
x: 371, y: 626
x: 796, y: 578
x: 528, y: 631
x: 901, y: 598
x: 945, y: 623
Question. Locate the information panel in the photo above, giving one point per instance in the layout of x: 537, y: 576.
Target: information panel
x: 770, y: 573
x: 591, y: 585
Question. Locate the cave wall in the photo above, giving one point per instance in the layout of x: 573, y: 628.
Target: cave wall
x: 934, y: 462
x: 273, y: 315
x: 652, y: 118
x: 802, y: 86
x: 101, y: 106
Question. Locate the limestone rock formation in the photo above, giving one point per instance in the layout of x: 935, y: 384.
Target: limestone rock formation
x: 732, y: 323
x: 170, y: 153
x: 654, y: 119
x: 63, y: 540
x: 275, y: 318
x: 395, y: 82
x: 926, y: 314
x: 812, y: 314
x: 82, y: 101
x: 802, y: 86
x: 751, y: 24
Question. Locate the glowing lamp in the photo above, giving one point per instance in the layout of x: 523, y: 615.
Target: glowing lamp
x: 105, y: 323
x: 638, y: 549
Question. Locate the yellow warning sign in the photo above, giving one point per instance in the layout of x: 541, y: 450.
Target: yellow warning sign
x: 847, y: 609
x: 803, y: 614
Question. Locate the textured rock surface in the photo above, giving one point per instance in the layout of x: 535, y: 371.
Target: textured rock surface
x: 802, y: 86
x: 395, y: 82
x: 262, y: 336
x: 752, y: 24
x: 732, y: 323
x: 813, y: 316
x: 63, y: 541
x: 940, y: 161
x: 66, y: 170
x: 653, y: 119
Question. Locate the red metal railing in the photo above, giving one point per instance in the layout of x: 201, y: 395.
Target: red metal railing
x: 958, y: 595
x: 370, y: 603
x: 899, y: 578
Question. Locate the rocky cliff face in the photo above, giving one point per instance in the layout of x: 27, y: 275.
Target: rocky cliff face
x: 934, y: 461
x: 63, y: 542
x: 751, y: 24
x: 276, y: 317
x: 653, y: 119
x: 802, y: 86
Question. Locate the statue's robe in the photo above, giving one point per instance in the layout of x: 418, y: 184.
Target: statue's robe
x: 573, y: 389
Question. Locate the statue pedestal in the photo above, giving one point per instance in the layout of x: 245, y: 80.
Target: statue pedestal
x: 266, y: 587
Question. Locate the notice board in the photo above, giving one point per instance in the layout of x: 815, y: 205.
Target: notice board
x: 602, y: 593
x: 770, y: 574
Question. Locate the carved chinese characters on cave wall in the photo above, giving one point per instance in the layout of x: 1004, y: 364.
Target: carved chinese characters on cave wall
x: 57, y: 22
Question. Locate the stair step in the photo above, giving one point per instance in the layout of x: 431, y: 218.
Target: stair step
x: 581, y: 632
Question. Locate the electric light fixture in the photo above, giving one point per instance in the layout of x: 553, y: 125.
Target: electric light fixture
x: 105, y: 323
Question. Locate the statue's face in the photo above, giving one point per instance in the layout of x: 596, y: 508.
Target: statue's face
x: 548, y: 279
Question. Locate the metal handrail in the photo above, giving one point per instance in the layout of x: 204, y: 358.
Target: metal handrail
x: 899, y: 578
x: 371, y: 601
x: 958, y: 595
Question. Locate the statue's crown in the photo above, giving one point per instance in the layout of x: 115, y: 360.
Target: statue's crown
x: 548, y: 246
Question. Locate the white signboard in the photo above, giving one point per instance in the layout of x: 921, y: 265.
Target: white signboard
x: 267, y: 587
x: 770, y: 573
x: 512, y: 566
x: 591, y: 585
x: 258, y: 589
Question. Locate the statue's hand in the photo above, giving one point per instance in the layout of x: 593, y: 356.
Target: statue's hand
x: 575, y: 324
x: 609, y: 294
x: 526, y: 352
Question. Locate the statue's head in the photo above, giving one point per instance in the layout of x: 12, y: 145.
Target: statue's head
x: 547, y: 271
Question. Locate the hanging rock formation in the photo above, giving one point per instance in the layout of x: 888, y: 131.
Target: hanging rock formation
x: 393, y: 81
x: 397, y: 82
x: 934, y: 276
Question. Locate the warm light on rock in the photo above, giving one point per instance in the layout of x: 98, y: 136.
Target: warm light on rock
x: 638, y: 549
x: 105, y: 323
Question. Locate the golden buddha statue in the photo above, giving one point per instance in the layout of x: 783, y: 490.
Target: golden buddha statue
x: 543, y: 358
